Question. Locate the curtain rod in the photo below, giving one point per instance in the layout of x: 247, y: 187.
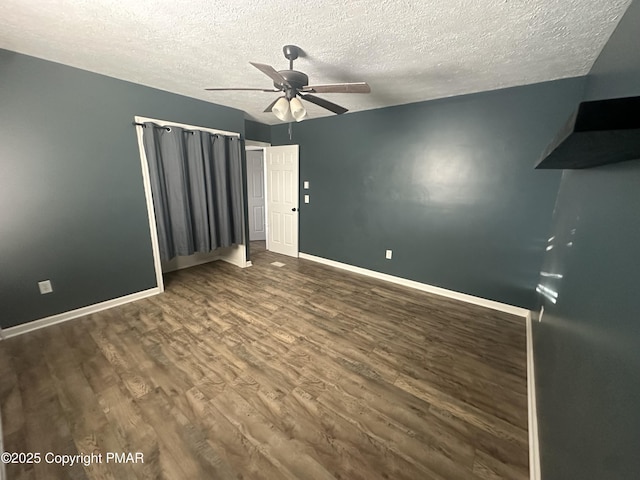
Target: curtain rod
x: 168, y: 129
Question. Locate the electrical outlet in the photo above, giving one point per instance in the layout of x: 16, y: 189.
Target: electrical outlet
x: 388, y: 254
x: 45, y: 287
x: 306, y: 185
x: 306, y: 199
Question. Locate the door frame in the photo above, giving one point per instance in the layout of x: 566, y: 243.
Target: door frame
x: 257, y: 145
x: 297, y: 200
x: 249, y: 190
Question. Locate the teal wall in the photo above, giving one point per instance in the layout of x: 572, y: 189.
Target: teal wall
x: 587, y: 347
x: 257, y: 131
x: 72, y: 206
x: 448, y: 185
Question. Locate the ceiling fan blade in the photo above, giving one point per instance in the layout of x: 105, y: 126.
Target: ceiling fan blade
x: 271, y: 72
x: 245, y: 89
x: 358, y: 87
x: 321, y: 102
x: 270, y: 107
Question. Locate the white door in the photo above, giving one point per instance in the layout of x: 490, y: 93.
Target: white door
x: 282, y: 199
x: 255, y: 187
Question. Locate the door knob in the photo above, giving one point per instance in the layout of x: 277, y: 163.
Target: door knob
x: 293, y: 209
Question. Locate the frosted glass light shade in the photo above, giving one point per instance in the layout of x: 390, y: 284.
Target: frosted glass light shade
x: 297, y: 109
x: 281, y: 109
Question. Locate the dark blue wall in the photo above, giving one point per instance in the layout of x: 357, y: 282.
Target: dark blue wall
x: 72, y: 206
x: 587, y: 347
x: 448, y: 185
x: 257, y: 131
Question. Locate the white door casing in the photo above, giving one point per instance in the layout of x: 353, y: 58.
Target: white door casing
x: 255, y: 194
x: 282, y: 199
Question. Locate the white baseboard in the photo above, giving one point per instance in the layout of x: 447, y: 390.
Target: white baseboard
x: 483, y: 302
x: 178, y: 263
x: 65, y: 316
x: 235, y: 255
x: 534, y: 445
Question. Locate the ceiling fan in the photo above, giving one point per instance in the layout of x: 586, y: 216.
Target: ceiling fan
x: 295, y: 84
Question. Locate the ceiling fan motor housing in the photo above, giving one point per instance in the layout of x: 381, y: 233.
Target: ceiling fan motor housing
x: 296, y: 79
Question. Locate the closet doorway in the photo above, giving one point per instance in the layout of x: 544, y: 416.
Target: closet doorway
x: 235, y: 254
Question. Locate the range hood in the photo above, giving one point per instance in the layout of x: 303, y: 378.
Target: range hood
x: 599, y: 133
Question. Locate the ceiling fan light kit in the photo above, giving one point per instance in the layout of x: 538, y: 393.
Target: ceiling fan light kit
x: 282, y: 110
x: 298, y: 111
x: 295, y: 86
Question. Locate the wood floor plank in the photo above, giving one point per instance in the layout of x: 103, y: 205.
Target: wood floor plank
x: 488, y: 468
x: 42, y: 407
x: 293, y: 372
x: 91, y: 430
x: 239, y: 453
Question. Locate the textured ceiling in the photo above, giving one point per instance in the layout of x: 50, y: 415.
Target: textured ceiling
x: 407, y: 50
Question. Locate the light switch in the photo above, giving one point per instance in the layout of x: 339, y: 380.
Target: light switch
x: 306, y: 185
x: 306, y: 199
x: 388, y: 254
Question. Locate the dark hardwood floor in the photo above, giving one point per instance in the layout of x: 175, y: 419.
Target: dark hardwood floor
x: 294, y: 372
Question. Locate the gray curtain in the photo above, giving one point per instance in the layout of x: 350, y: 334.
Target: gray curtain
x: 196, y: 182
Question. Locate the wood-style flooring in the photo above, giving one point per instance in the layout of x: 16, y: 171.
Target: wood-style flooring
x: 294, y: 372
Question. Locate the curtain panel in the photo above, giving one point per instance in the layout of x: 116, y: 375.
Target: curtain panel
x: 196, y: 183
